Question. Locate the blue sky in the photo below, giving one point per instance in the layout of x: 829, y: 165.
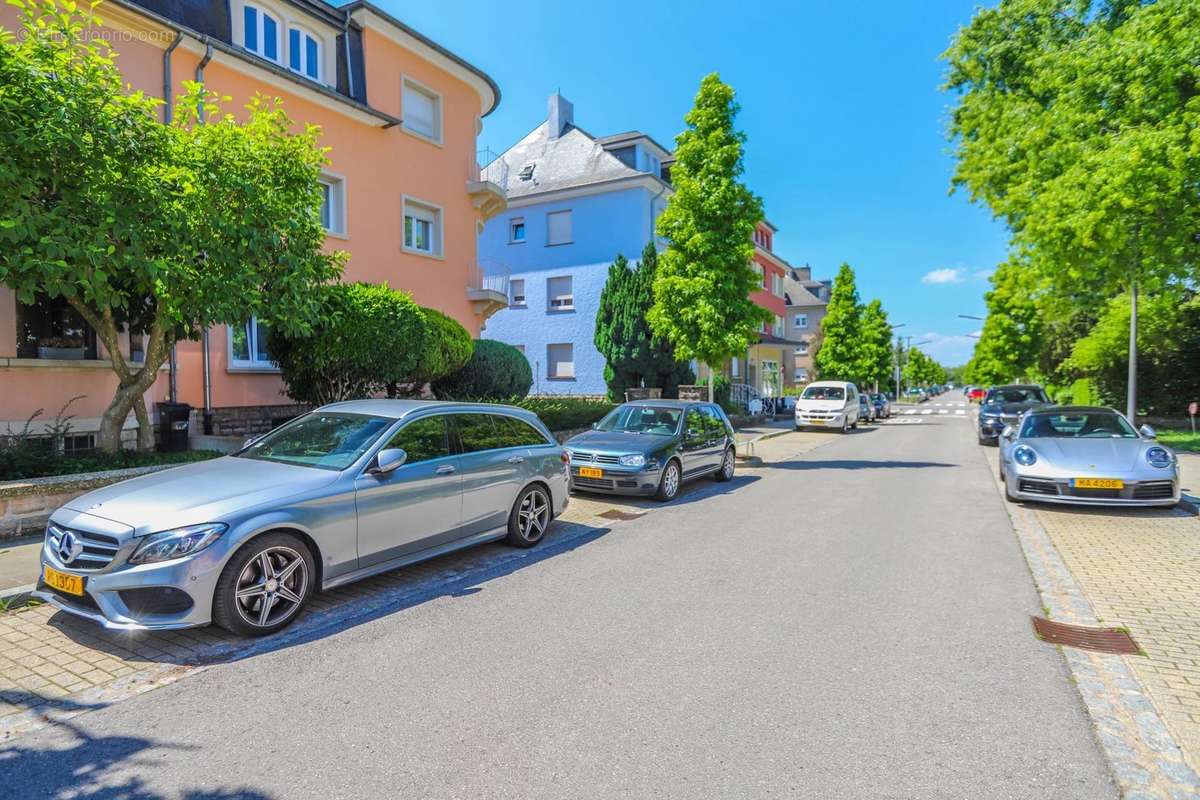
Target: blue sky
x: 840, y: 103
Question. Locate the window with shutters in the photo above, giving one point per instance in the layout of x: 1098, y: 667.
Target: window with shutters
x: 421, y: 110
x: 558, y: 228
x: 560, y: 295
x: 422, y: 227
x: 560, y: 361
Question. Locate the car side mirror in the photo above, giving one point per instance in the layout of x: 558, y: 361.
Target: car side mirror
x: 387, y: 461
x: 1148, y: 432
x: 595, y: 426
x: 1009, y: 432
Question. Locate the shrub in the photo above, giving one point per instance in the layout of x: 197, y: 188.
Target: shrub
x: 447, y: 348
x: 362, y: 344
x: 95, y: 461
x: 565, y: 413
x: 494, y: 371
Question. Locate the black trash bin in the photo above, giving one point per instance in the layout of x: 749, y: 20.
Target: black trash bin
x: 173, y: 422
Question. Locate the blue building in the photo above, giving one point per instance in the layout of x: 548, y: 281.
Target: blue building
x: 575, y: 201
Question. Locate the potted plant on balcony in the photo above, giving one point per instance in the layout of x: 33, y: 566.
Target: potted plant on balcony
x: 61, y: 348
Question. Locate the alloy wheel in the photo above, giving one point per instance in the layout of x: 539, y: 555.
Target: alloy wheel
x: 534, y: 515
x: 272, y: 587
x: 727, y: 465
x: 671, y: 480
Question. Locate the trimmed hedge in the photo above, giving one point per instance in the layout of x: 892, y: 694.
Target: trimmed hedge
x: 565, y: 413
x: 36, y: 459
x: 494, y: 371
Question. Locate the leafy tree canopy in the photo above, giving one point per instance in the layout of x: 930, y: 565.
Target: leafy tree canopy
x: 495, y: 371
x: 876, y: 348
x: 841, y: 356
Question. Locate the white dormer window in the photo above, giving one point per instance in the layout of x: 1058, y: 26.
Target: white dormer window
x: 304, y: 53
x: 260, y: 32
x: 421, y: 108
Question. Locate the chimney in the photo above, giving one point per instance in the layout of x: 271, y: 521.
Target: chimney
x: 560, y: 114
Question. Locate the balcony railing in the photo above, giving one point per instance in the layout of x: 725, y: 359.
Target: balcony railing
x: 491, y: 168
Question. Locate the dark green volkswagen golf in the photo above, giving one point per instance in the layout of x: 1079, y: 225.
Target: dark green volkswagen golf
x: 651, y: 447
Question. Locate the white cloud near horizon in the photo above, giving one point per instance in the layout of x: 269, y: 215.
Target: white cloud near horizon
x: 940, y: 276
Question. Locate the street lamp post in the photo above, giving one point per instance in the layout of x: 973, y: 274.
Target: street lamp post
x: 897, y: 360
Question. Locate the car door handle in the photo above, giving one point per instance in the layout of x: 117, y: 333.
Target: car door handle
x: 517, y: 460
x: 445, y: 469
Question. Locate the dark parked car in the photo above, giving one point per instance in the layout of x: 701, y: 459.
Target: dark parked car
x: 883, y: 406
x: 651, y: 447
x: 1003, y: 406
x: 866, y: 409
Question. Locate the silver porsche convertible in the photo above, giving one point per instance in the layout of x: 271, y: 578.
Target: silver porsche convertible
x: 1086, y: 455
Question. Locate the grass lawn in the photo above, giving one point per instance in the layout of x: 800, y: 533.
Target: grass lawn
x: 1184, y: 441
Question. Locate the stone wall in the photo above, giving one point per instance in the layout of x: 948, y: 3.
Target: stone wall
x: 248, y: 420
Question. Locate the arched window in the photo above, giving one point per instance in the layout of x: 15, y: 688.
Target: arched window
x: 260, y: 32
x: 304, y: 53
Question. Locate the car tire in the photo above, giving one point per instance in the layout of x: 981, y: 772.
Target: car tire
x: 264, y: 585
x: 725, y: 472
x: 530, y: 516
x: 845, y: 425
x: 668, y: 484
x: 1007, y: 489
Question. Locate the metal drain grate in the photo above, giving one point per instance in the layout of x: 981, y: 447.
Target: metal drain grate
x: 616, y: 513
x: 1101, y: 640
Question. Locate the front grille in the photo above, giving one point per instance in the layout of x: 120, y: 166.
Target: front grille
x: 1154, y: 490
x: 1029, y: 486
x: 596, y: 483
x: 98, y: 549
x: 1095, y: 494
x: 593, y: 458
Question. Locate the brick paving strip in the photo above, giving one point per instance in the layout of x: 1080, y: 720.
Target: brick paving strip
x: 1139, y: 569
x: 54, y: 666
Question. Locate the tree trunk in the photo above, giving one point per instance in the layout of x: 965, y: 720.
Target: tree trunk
x: 145, y: 440
x: 712, y: 382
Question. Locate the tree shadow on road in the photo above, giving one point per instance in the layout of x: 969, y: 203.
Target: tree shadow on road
x: 90, y: 767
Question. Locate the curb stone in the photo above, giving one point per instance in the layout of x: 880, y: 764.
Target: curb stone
x: 1145, y: 759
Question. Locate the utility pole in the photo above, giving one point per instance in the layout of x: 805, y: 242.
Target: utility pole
x: 897, y: 361
x: 1131, y: 398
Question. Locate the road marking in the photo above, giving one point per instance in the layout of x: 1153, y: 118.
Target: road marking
x: 960, y: 412
x: 943, y: 411
x: 927, y: 412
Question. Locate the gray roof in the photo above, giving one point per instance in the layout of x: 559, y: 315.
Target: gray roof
x: 631, y: 136
x: 573, y: 159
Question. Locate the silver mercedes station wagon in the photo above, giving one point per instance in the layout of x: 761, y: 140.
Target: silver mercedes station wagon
x: 347, y: 491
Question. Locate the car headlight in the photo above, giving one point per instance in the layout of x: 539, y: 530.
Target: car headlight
x: 636, y: 460
x: 1159, y: 457
x: 1025, y: 456
x: 177, y: 543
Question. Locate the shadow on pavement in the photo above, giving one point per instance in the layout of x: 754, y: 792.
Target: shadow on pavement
x: 83, y: 771
x: 1183, y: 509
x: 691, y: 492
x: 453, y: 575
x: 857, y: 464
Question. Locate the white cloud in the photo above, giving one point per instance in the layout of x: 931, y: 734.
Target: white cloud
x: 947, y: 275
x: 948, y: 350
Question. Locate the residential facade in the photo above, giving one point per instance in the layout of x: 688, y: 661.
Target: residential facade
x: 806, y: 301
x: 575, y: 201
x: 404, y: 193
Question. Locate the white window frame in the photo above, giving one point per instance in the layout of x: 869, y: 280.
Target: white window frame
x: 513, y: 295
x: 260, y: 49
x: 800, y: 321
x: 550, y: 226
x: 801, y: 349
x: 512, y: 227
x: 337, y: 204
x: 435, y: 137
x: 550, y: 375
x: 550, y: 298
x: 778, y: 329
x: 435, y: 215
x: 254, y: 363
x: 776, y: 284
x: 306, y: 32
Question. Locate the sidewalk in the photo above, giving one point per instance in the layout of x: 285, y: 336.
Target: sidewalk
x: 19, y: 564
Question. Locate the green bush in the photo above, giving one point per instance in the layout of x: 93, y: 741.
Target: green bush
x: 35, y: 458
x: 565, y: 413
x: 494, y: 371
x: 362, y: 345
x: 447, y: 348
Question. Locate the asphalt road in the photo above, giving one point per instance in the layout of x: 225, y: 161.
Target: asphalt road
x: 853, y: 623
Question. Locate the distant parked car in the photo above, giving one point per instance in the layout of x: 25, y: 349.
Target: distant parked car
x: 866, y: 409
x: 651, y: 447
x: 883, y: 406
x: 916, y: 394
x: 1004, y: 405
x: 1086, y: 455
x: 342, y: 493
x: 828, y: 404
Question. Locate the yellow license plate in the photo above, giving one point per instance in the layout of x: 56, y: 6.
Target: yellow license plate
x: 1099, y: 483
x: 71, y: 584
x: 590, y: 472
x: 816, y: 422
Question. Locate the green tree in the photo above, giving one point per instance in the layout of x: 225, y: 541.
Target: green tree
x: 702, y: 289
x: 165, y: 229
x: 1077, y: 125
x: 634, y: 356
x: 922, y: 370
x: 495, y: 371
x: 1011, y: 339
x: 876, y: 345
x: 841, y: 356
x: 361, y: 344
x: 446, y: 347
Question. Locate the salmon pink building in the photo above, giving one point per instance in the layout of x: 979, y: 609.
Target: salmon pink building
x: 404, y: 194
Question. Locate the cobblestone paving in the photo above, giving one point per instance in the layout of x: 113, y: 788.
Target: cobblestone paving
x: 1141, y: 570
x: 51, y: 662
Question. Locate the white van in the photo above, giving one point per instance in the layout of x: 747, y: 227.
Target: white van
x: 828, y: 404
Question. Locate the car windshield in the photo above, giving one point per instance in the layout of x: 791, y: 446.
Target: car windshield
x: 1078, y: 425
x: 321, y: 440
x: 824, y: 393
x: 658, y: 420
x: 1017, y: 394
